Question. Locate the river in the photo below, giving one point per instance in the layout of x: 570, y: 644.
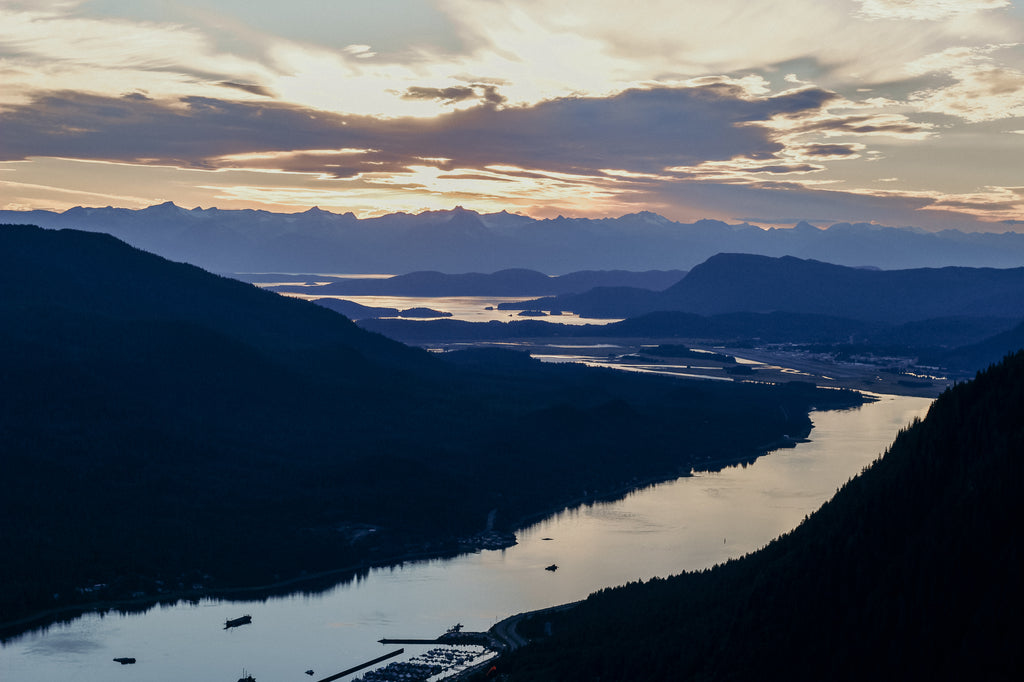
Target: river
x: 688, y: 523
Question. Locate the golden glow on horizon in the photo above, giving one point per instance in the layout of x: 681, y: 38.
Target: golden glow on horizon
x: 940, y: 74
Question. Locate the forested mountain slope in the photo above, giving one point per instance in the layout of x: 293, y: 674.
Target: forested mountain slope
x: 159, y: 423
x: 912, y: 571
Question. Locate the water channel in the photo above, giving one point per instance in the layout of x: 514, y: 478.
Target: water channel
x: 688, y: 523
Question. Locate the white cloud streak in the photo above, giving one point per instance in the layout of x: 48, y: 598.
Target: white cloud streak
x: 982, y: 89
x: 582, y: 86
x: 925, y: 10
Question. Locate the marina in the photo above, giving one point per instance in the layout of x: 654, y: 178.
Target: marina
x: 435, y: 664
x: 361, y: 666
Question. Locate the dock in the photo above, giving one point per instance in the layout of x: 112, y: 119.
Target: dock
x: 450, y: 638
x: 362, y: 665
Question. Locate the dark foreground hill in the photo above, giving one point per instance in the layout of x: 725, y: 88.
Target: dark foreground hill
x: 164, y: 428
x: 912, y: 571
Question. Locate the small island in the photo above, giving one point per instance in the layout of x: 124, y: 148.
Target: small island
x: 423, y: 313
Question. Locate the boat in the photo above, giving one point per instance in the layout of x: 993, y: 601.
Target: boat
x: 246, y: 677
x: 124, y: 660
x: 235, y: 622
x: 552, y: 567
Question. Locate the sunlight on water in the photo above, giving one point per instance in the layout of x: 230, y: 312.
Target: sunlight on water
x: 688, y: 523
x: 466, y: 308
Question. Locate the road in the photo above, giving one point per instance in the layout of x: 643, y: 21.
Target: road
x: 505, y: 631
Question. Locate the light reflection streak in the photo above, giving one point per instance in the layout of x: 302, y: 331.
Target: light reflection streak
x: 642, y: 369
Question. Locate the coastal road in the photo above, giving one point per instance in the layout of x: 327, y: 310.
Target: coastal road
x: 505, y: 631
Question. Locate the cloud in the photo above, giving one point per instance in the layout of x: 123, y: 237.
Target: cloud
x: 829, y: 151
x: 925, y: 10
x: 359, y: 51
x: 637, y: 130
x: 251, y: 88
x: 586, y: 154
x: 458, y: 93
x: 577, y: 102
x: 981, y: 89
x: 779, y: 169
x: 49, y: 46
x: 892, y: 125
x: 762, y: 203
x: 664, y: 39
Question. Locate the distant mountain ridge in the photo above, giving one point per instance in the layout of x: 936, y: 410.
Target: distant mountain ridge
x: 510, y: 282
x: 461, y: 240
x: 732, y: 282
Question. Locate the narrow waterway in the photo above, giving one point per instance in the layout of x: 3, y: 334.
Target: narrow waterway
x: 689, y: 523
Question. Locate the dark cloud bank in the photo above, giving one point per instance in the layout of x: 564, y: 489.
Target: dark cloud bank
x: 637, y: 130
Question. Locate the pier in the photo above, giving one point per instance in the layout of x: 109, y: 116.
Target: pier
x: 362, y: 665
x: 449, y: 638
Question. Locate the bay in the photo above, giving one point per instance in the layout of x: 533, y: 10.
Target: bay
x: 689, y: 523
x: 464, y: 308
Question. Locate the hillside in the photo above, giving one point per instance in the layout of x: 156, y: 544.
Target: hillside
x: 732, y: 282
x: 160, y: 423
x: 912, y: 571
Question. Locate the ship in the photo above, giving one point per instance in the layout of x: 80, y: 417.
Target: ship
x: 235, y: 622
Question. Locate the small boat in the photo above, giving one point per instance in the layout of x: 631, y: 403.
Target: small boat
x: 309, y: 672
x: 235, y: 622
x: 552, y: 567
x: 124, y: 660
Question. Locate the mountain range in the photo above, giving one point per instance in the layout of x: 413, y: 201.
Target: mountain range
x: 461, y: 240
x: 731, y: 282
x: 957, y: 318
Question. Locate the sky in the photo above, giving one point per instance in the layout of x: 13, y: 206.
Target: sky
x: 898, y: 112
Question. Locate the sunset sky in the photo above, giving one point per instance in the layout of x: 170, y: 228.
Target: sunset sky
x: 900, y: 112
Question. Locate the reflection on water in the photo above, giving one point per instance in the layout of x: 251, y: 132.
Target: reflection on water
x: 689, y: 523
x: 64, y: 643
x: 467, y: 308
x: 643, y: 368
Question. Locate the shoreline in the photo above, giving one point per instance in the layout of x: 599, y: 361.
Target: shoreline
x: 769, y: 365
x: 48, y: 617
x: 53, y: 615
x: 45, y: 618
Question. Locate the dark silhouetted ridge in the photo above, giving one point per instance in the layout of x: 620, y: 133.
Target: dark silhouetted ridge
x: 912, y: 571
x: 163, y: 426
x: 733, y: 283
x: 100, y: 275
